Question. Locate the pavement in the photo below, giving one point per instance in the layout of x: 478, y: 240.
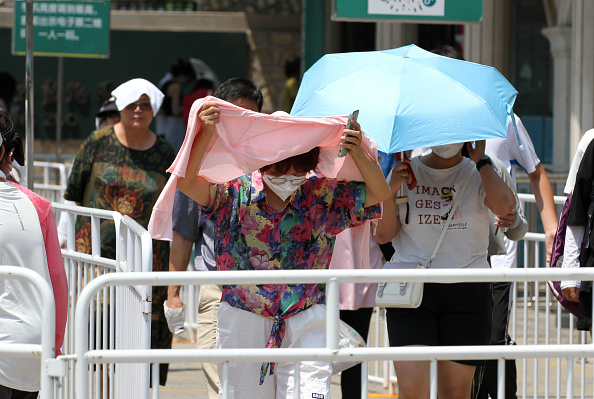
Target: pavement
x: 184, y: 380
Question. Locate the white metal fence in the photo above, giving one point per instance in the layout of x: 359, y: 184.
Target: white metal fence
x: 45, y: 351
x: 536, y: 351
x: 124, y: 326
x: 51, y: 179
x: 537, y: 320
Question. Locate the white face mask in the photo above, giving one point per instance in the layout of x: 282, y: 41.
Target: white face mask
x: 447, y: 151
x: 284, y: 186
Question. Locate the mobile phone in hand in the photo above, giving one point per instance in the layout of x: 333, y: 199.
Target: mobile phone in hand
x: 352, y: 117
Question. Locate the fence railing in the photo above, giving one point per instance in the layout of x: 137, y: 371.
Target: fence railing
x: 51, y: 179
x: 536, y: 319
x: 126, y: 325
x: 45, y: 351
x: 86, y: 356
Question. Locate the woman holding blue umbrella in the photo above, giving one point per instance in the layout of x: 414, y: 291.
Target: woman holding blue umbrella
x: 450, y: 314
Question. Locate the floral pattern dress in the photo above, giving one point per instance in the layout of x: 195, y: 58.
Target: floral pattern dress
x: 108, y: 175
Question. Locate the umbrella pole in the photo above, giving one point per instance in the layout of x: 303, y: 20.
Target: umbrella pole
x: 402, y: 199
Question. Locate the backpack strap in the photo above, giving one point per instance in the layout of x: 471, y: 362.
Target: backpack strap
x: 590, y: 223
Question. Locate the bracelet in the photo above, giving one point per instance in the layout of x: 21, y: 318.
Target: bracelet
x: 483, y: 162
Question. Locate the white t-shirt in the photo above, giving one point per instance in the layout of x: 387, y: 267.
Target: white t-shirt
x: 466, y: 241
x: 21, y: 244
x: 508, y: 150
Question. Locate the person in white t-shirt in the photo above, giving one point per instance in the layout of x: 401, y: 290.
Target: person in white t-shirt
x: 518, y: 150
x: 515, y: 150
x: 449, y: 314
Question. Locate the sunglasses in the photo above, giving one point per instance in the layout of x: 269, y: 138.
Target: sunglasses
x: 295, y: 181
x: 143, y: 106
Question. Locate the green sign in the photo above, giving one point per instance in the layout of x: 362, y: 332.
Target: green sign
x: 64, y: 28
x: 415, y: 11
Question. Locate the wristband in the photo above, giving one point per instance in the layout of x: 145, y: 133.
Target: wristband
x: 483, y: 162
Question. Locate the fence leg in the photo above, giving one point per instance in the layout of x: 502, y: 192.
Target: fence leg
x: 501, y: 378
x: 433, y: 379
x: 225, y: 382
x: 297, y: 380
x: 155, y: 382
x: 364, y: 380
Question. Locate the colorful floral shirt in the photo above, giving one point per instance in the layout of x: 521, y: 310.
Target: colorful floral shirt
x: 252, y: 235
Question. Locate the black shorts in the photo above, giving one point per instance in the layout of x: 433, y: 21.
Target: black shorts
x: 450, y: 315
x: 584, y: 322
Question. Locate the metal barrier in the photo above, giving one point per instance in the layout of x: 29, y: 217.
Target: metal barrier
x: 534, y: 312
x: 86, y: 356
x: 539, y: 310
x: 51, y: 179
x: 46, y: 349
x: 124, y: 326
x: 190, y: 296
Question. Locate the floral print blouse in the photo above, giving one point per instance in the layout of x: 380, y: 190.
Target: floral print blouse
x: 107, y: 175
x: 252, y: 235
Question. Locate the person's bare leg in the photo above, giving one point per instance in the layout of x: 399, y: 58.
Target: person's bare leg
x: 454, y: 380
x: 413, y: 379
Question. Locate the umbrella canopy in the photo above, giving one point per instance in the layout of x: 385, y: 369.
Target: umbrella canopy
x: 203, y: 71
x: 409, y: 98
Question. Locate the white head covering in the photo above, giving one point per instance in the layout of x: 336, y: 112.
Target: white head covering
x: 129, y: 92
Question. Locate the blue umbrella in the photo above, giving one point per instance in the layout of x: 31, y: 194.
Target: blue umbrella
x: 409, y: 98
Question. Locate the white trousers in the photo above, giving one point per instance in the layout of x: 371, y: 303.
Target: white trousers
x: 238, y: 328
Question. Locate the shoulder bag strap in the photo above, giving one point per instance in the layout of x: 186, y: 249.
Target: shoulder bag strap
x: 589, y: 223
x: 450, y: 216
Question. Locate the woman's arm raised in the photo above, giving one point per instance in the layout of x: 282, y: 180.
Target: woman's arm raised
x: 376, y: 186
x: 194, y: 186
x: 389, y: 225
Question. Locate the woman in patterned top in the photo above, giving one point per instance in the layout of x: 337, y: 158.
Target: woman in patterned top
x: 123, y: 168
x: 280, y: 217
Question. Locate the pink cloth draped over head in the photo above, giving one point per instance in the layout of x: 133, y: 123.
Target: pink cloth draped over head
x: 246, y: 141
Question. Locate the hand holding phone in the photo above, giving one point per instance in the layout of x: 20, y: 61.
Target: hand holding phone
x: 352, y: 117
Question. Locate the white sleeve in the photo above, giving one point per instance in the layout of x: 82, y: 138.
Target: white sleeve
x: 574, y: 236
x: 577, y: 159
x: 527, y: 160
